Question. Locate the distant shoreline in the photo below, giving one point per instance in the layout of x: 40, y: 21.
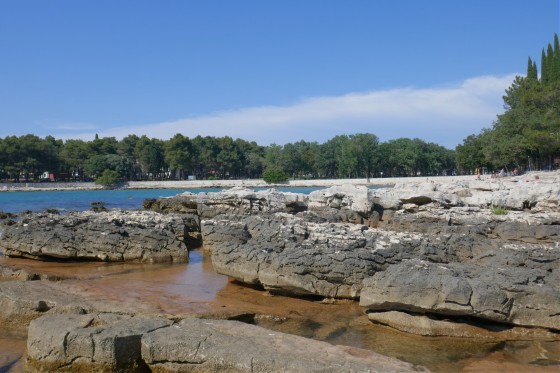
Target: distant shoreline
x: 257, y: 183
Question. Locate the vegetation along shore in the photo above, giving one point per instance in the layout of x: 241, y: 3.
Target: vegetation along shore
x: 525, y: 137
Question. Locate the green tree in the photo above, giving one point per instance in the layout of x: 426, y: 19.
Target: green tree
x: 73, y: 156
x: 108, y: 178
x: 127, y: 148
x: 364, y: 151
x: 274, y: 176
x: 150, y: 155
x: 178, y: 154
x: 528, y: 131
x: 228, y: 159
x: 469, y: 155
x: 532, y: 71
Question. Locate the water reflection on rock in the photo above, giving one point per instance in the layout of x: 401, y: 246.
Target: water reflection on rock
x: 195, y: 289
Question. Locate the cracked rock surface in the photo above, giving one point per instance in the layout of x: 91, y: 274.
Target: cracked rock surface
x: 109, y: 342
x: 112, y: 236
x: 454, y: 274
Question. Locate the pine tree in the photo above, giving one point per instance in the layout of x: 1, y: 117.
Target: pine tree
x: 531, y: 70
x: 544, y: 68
x: 556, y: 57
x: 552, y: 70
x: 535, y: 71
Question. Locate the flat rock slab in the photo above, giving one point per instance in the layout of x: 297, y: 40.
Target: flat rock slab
x: 99, y: 342
x: 23, y: 301
x: 110, y: 343
x: 434, y: 327
x: 112, y: 236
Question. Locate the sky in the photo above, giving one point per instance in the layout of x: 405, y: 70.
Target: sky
x: 265, y: 71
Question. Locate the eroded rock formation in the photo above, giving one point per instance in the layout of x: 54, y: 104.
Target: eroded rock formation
x: 112, y: 236
x: 110, y: 342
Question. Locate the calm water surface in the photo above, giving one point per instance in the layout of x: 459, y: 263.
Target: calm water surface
x: 80, y: 200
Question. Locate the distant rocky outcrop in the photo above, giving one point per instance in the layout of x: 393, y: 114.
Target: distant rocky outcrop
x: 112, y: 236
x: 110, y: 342
x: 235, y: 200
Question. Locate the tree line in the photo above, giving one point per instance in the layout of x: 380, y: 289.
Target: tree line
x: 527, y: 135
x: 31, y: 158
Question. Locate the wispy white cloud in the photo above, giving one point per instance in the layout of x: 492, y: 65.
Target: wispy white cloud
x: 74, y: 126
x: 445, y: 115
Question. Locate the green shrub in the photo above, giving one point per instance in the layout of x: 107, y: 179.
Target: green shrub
x: 108, y: 178
x: 499, y: 210
x: 275, y: 176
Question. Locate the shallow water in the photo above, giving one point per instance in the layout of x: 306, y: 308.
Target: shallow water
x: 195, y: 289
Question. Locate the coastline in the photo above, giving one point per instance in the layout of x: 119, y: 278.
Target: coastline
x: 259, y: 183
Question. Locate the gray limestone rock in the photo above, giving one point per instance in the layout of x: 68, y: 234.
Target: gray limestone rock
x: 111, y: 342
x: 448, y: 273
x: 288, y: 255
x: 500, y: 293
x: 231, y: 201
x: 434, y: 326
x: 116, y: 235
x: 516, y: 226
x: 196, y: 345
x: 95, y: 342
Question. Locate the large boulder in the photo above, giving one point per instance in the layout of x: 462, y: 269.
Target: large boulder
x: 343, y: 197
x: 286, y: 254
x: 112, y: 236
x: 516, y: 295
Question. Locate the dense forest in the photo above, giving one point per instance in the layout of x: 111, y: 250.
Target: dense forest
x: 29, y: 157
x: 527, y: 134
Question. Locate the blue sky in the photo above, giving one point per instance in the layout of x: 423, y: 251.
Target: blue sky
x: 268, y: 71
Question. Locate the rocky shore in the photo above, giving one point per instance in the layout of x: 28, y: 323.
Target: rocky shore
x: 465, y: 258
x: 213, y: 184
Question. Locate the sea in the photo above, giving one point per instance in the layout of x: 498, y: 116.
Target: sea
x: 81, y: 200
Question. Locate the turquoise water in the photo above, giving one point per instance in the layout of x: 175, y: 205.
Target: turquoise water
x: 80, y: 200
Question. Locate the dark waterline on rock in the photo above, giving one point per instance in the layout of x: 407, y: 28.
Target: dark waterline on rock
x: 195, y: 289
